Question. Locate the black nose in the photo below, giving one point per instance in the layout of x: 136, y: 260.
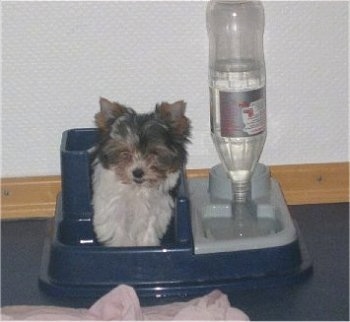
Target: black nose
x: 138, y: 173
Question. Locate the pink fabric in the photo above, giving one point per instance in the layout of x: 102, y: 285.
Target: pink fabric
x: 122, y: 303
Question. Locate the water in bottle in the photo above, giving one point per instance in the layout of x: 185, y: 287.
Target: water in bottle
x: 237, y: 87
x: 237, y: 99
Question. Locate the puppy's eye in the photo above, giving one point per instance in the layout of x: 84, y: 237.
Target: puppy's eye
x: 159, y: 152
x: 162, y: 156
x: 154, y: 153
x: 125, y: 155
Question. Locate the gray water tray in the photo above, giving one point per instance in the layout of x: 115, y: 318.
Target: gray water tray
x: 211, y: 213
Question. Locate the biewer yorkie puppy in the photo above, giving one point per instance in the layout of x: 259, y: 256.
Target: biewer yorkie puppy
x: 139, y: 158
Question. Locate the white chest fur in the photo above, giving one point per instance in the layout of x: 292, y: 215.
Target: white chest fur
x: 130, y: 214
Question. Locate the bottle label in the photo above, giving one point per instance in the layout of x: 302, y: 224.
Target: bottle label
x: 242, y: 114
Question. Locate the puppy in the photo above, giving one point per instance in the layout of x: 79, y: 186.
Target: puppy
x: 139, y: 158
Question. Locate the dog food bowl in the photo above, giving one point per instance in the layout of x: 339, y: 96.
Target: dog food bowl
x: 193, y: 258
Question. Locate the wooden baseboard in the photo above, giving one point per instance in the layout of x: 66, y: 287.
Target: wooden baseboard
x: 313, y: 183
x: 29, y: 197
x: 301, y: 184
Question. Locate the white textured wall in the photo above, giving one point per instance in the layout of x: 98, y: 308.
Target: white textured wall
x: 59, y: 57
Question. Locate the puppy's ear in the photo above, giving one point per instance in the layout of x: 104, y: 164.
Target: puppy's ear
x: 109, y: 112
x: 174, y: 115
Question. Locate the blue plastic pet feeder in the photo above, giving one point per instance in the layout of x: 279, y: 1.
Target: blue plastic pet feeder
x: 195, y: 255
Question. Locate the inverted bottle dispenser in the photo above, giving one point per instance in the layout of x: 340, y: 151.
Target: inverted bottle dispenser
x: 196, y: 255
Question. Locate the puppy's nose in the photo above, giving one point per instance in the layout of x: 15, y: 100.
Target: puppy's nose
x: 138, y: 173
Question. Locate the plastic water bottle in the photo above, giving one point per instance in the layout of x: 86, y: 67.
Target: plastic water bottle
x: 237, y: 88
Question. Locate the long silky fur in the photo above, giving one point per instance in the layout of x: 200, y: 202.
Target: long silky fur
x: 129, y: 210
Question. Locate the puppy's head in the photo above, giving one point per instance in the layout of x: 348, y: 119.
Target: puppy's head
x: 142, y: 149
